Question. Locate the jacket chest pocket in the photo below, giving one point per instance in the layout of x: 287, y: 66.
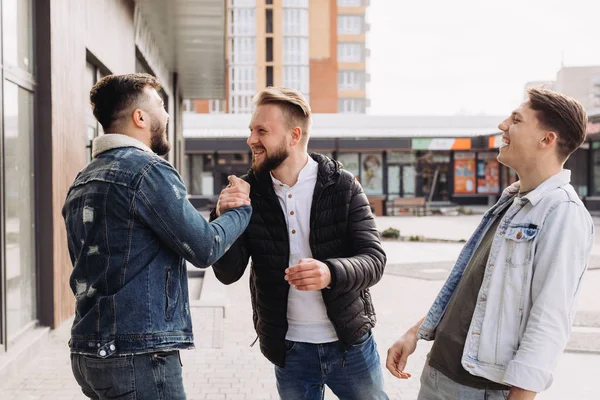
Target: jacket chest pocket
x: 519, y: 244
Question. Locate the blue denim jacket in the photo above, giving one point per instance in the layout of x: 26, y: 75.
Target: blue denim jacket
x: 527, y: 300
x: 130, y: 229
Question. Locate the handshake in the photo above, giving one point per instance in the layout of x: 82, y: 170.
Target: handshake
x: 236, y: 194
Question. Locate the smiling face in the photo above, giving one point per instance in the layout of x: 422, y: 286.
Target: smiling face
x: 269, y: 138
x: 520, y: 140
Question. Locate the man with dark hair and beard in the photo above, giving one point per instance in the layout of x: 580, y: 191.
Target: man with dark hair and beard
x: 315, y: 253
x: 130, y: 228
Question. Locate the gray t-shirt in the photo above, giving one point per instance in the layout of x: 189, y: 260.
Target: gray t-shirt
x: 451, y: 333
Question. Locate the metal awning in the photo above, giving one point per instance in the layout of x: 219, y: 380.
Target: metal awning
x: 190, y: 35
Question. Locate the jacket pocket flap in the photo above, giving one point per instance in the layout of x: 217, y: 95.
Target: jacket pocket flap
x: 521, y: 233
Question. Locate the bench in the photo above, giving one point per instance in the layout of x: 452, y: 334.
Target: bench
x: 412, y: 205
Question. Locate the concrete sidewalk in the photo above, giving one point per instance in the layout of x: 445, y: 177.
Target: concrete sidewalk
x: 230, y: 369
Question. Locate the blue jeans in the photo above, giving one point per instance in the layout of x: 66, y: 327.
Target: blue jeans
x: 437, y: 386
x: 144, y: 376
x: 309, y: 367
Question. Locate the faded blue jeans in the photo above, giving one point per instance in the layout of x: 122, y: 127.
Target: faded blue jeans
x: 309, y: 367
x: 152, y: 376
x: 437, y: 386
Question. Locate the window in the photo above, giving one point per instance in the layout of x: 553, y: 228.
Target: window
x: 269, y: 2
x: 297, y: 77
x: 198, y: 174
x: 351, y: 24
x: 269, y: 75
x: 242, y: 50
x: 216, y: 106
x: 351, y: 52
x: 351, y: 80
x: 21, y: 310
x: 242, y: 21
x: 242, y: 45
x: 295, y: 3
x: 269, y: 50
x: 295, y: 22
x: 92, y: 127
x: 357, y: 106
x: 295, y: 50
x: 242, y: 3
x: 296, y: 71
x: 17, y: 35
x: 269, y: 20
x: 349, y: 3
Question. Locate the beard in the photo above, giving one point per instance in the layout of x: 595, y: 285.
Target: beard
x: 158, y: 139
x: 271, y: 161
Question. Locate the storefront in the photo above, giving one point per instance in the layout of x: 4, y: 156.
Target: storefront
x: 382, y: 153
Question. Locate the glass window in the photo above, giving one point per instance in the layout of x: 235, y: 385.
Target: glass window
x: 17, y: 34
x: 352, y: 106
x: 351, y: 80
x: 216, y: 106
x: 269, y: 75
x: 295, y: 3
x: 349, y: 3
x: 295, y: 22
x: 269, y: 20
x: 394, y: 180
x: 351, y: 52
x: 269, y: 50
x: 19, y: 214
x: 409, y: 179
x: 349, y: 162
x: 351, y: 24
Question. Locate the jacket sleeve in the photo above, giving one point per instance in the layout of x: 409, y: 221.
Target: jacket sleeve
x: 560, y: 259
x: 365, y: 267
x: 230, y: 268
x: 161, y: 203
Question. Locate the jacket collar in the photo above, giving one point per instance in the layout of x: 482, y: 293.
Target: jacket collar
x: 536, y: 195
x: 112, y: 141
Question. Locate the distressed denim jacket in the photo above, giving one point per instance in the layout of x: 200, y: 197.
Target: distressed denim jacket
x: 526, y: 304
x: 130, y: 228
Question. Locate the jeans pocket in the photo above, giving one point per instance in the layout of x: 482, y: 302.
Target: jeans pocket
x: 364, y: 339
x: 289, y: 346
x: 112, y: 377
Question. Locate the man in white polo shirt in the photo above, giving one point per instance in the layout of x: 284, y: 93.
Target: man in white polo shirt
x: 315, y: 252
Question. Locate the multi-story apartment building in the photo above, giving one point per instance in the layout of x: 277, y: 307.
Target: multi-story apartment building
x: 314, y: 46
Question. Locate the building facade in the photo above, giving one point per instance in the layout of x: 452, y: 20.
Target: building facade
x: 53, y: 52
x: 314, y: 46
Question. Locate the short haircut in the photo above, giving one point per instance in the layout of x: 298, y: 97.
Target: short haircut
x: 561, y: 114
x: 114, y: 94
x: 294, y: 106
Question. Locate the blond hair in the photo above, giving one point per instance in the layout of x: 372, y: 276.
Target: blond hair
x: 294, y: 106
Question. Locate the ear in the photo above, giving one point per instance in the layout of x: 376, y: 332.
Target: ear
x: 296, y: 136
x: 549, y: 139
x: 140, y: 119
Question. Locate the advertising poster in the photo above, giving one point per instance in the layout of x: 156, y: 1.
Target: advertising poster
x: 349, y: 162
x: 464, y: 173
x: 372, y: 173
x: 488, y: 174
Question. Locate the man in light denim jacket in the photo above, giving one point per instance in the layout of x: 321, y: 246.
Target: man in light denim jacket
x: 130, y: 228
x: 503, y: 317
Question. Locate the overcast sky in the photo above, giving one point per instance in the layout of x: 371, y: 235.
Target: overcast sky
x: 473, y: 56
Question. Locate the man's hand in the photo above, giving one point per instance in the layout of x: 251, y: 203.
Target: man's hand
x: 397, y: 355
x: 236, y: 194
x: 308, y: 274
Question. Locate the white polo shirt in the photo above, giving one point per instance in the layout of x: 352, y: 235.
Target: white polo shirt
x: 306, y: 312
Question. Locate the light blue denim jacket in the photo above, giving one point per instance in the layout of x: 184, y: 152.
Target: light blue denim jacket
x: 130, y: 228
x: 526, y: 304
